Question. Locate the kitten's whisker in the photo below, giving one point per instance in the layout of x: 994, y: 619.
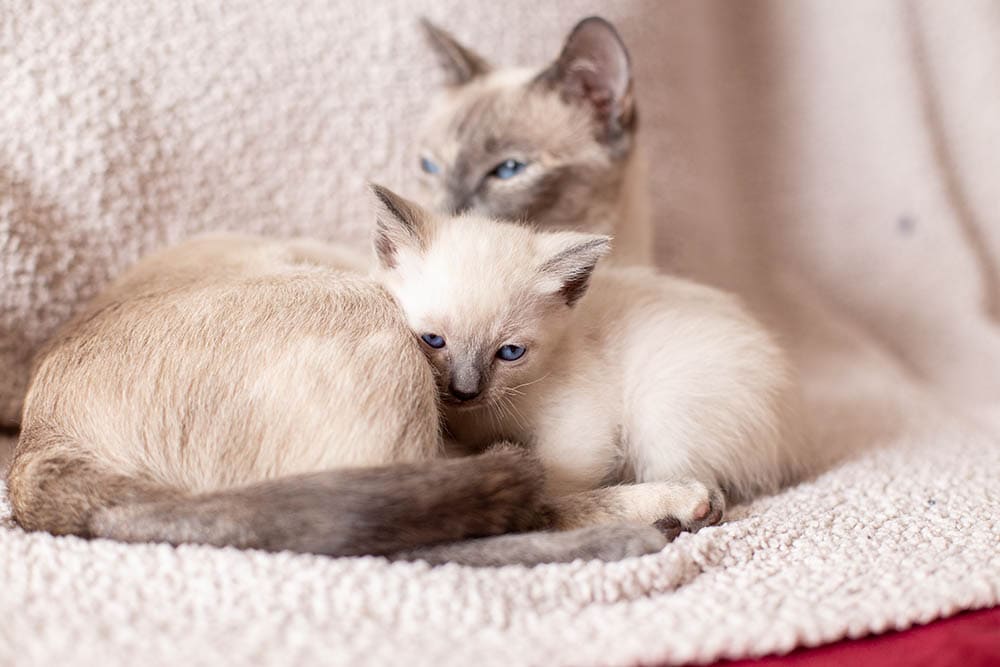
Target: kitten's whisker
x: 518, y: 416
x: 501, y: 409
x: 528, y: 384
x: 494, y: 420
x: 510, y: 409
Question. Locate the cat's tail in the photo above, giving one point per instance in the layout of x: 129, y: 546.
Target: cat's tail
x: 348, y: 512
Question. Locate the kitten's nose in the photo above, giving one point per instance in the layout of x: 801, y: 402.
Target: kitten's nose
x: 462, y: 395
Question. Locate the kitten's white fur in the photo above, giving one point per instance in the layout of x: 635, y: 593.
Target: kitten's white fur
x: 647, y: 378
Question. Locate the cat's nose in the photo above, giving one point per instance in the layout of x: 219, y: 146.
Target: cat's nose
x: 458, y: 203
x: 462, y: 394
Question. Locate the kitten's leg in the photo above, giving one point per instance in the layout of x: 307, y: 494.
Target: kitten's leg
x: 608, y: 542
x: 671, y: 506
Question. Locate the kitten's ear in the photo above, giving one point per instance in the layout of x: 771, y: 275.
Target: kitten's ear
x: 399, y: 223
x: 594, y: 69
x: 461, y: 63
x: 572, y: 259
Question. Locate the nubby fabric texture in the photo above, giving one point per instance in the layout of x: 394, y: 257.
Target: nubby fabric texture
x: 835, y: 163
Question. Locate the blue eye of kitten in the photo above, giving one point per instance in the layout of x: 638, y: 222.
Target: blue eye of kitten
x: 508, y: 169
x: 435, y: 341
x: 511, y: 352
x: 428, y: 166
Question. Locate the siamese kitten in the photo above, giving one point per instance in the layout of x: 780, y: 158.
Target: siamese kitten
x: 664, y: 396
x: 556, y: 145
x: 261, y: 394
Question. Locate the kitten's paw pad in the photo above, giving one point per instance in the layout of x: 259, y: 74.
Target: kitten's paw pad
x: 702, y: 510
x: 707, y: 512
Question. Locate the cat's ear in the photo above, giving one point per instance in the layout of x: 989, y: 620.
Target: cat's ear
x: 461, y: 63
x: 399, y: 223
x: 594, y: 69
x: 571, y: 258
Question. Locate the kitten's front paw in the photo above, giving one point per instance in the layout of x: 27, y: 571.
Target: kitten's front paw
x: 706, y: 507
x: 708, y: 512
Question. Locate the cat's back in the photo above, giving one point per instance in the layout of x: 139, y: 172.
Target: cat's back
x: 697, y: 365
x: 625, y: 302
x: 631, y: 288
x: 240, y: 358
x: 211, y: 292
x: 669, y: 331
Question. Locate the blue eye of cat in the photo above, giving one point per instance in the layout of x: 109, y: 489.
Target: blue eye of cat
x: 428, y: 166
x: 511, y: 352
x: 508, y: 169
x: 435, y: 341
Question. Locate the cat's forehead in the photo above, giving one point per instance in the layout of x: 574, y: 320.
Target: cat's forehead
x: 467, y: 312
x: 500, y: 254
x: 473, y: 106
x: 499, y: 112
x: 479, y: 270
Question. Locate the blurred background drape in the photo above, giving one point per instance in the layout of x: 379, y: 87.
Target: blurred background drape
x: 852, y: 147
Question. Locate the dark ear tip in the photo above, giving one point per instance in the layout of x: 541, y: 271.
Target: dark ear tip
x: 595, y: 20
x: 597, y: 24
x: 385, y: 196
x: 433, y: 33
x: 463, y: 63
x: 378, y: 189
x: 427, y: 25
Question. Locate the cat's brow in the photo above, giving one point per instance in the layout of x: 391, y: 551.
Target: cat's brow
x: 475, y: 115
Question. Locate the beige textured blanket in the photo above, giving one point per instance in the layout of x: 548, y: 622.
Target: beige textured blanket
x: 837, y: 163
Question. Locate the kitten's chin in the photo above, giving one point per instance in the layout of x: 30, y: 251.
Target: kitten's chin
x: 464, y: 406
x: 478, y: 403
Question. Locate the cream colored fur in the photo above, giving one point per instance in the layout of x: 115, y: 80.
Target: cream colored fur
x: 575, y: 177
x: 237, y: 391
x: 647, y: 378
x: 334, y: 381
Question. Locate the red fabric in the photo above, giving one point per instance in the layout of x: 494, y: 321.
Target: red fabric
x: 971, y: 639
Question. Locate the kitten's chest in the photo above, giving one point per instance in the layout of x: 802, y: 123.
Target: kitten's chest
x: 510, y: 420
x: 575, y: 428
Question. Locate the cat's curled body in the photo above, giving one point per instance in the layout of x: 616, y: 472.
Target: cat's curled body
x: 245, y: 392
x: 665, y: 395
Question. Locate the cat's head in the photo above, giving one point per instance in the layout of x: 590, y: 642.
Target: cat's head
x: 488, y: 301
x: 548, y: 145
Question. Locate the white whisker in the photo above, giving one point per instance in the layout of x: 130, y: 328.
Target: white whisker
x: 528, y: 384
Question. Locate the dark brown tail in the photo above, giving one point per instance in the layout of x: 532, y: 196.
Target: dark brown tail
x: 339, y: 513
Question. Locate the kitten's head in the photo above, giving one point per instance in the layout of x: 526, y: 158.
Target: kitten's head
x: 488, y: 301
x: 546, y: 146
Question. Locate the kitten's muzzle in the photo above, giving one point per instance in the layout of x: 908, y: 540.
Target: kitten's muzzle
x: 466, y: 382
x: 462, y: 395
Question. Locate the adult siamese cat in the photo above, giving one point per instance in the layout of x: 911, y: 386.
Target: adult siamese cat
x: 263, y: 394
x: 647, y: 398
x: 555, y: 146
